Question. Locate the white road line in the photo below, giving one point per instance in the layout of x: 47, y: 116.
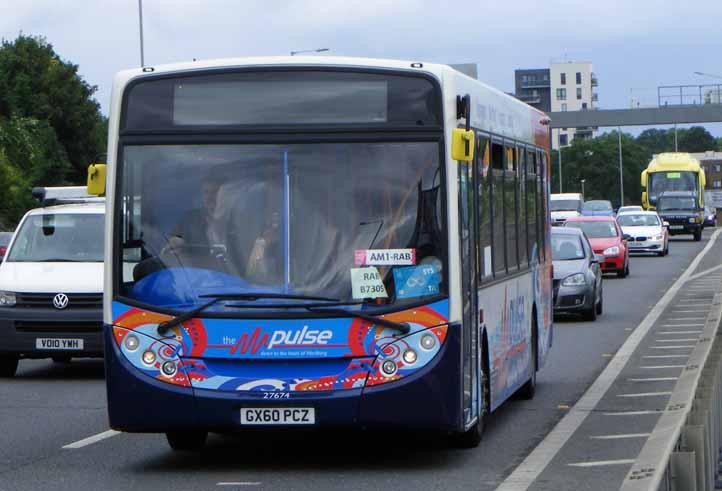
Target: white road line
x: 633, y: 413
x: 620, y: 437
x: 646, y: 394
x: 600, y: 463
x: 665, y: 356
x: 683, y: 325
x: 534, y: 464
x: 91, y: 439
x: 655, y: 379
x: 688, y: 318
x: 678, y: 311
x: 670, y: 333
x: 672, y: 347
x: 652, y: 367
x: 240, y: 483
x: 675, y: 340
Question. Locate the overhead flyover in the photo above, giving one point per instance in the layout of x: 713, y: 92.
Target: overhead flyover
x: 651, y: 116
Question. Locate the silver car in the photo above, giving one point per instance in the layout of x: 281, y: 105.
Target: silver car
x: 577, y: 274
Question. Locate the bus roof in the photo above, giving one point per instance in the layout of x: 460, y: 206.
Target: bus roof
x: 672, y: 161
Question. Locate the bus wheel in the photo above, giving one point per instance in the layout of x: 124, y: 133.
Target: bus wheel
x: 186, y: 441
x: 8, y: 366
x: 471, y: 438
x: 528, y: 390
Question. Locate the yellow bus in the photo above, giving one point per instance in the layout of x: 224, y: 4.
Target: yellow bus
x: 673, y: 171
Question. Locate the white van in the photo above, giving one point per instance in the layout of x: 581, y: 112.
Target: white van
x: 564, y: 206
x: 51, y: 281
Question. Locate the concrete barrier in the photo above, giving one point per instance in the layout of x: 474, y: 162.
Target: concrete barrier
x: 683, y: 451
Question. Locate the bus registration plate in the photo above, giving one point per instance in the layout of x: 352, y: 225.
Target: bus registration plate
x: 278, y: 416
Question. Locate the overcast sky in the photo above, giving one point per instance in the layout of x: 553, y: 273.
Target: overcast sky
x: 634, y: 45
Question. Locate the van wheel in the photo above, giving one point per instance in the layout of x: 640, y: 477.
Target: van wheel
x: 8, y: 366
x: 187, y: 441
x: 697, y: 235
x: 61, y: 359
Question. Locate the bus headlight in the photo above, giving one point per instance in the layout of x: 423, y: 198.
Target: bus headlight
x: 428, y: 341
x: 131, y: 342
x: 169, y: 368
x: 388, y: 368
x: 148, y: 357
x: 410, y: 357
x: 7, y: 299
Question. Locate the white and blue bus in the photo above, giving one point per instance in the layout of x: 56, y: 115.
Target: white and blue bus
x: 327, y: 242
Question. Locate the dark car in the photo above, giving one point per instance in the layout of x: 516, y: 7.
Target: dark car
x: 710, y: 216
x: 577, y: 274
x: 681, y: 210
x: 5, y: 238
x: 597, y: 208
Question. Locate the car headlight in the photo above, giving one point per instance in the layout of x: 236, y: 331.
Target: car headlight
x: 7, y: 299
x: 694, y: 220
x: 659, y: 237
x: 611, y: 251
x: 576, y: 279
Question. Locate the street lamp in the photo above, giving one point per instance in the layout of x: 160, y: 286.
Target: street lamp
x: 318, y: 50
x: 711, y: 75
x: 582, y: 181
x: 140, y: 23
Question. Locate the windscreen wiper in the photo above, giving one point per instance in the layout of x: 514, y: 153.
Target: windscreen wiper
x: 164, y: 327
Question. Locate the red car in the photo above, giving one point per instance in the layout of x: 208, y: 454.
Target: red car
x: 607, y: 239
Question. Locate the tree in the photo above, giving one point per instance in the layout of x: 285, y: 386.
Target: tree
x: 36, y: 83
x: 696, y: 139
x: 656, y: 141
x: 597, y: 162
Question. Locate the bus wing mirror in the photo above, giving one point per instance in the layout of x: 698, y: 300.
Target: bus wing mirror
x: 96, y: 179
x: 645, y: 203
x: 644, y: 178
x: 462, y: 145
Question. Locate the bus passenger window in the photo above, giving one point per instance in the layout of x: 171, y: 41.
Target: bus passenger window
x: 484, y: 202
x: 497, y: 202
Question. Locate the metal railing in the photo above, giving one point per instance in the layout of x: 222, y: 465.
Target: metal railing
x: 682, y: 95
x: 682, y: 453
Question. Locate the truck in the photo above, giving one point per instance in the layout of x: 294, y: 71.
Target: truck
x: 672, y: 171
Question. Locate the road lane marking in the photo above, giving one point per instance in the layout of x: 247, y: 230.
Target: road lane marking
x: 688, y: 318
x: 91, y: 439
x: 621, y: 436
x: 665, y: 356
x: 675, y: 333
x: 600, y: 463
x: 663, y: 366
x: 634, y: 413
x: 654, y: 379
x: 646, y: 394
x: 239, y: 483
x: 675, y: 340
x: 539, y: 458
x: 672, y: 347
x: 684, y: 325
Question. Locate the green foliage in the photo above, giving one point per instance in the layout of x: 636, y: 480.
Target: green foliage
x: 694, y: 139
x: 597, y: 162
x: 51, y: 128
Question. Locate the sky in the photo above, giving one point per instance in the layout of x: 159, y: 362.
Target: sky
x: 634, y: 45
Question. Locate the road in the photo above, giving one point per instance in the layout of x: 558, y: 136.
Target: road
x: 48, y: 406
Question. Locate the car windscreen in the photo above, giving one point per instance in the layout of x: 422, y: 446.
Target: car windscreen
x: 565, y: 205
x: 59, y: 238
x: 667, y: 203
x: 597, y: 206
x: 638, y: 220
x: 566, y: 247
x: 595, y: 230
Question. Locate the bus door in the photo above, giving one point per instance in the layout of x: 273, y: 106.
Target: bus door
x: 470, y: 330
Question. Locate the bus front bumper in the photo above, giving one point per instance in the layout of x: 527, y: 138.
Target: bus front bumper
x: 429, y: 399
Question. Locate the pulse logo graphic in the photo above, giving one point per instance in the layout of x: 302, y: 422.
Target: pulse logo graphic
x: 259, y: 340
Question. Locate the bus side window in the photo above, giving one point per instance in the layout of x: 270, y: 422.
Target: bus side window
x: 497, y: 208
x: 531, y: 205
x: 483, y: 194
x: 542, y: 198
x: 510, y: 208
x: 521, y: 225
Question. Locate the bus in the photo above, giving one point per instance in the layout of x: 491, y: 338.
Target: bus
x: 672, y: 171
x: 321, y: 242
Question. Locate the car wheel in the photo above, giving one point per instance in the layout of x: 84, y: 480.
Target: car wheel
x: 8, y: 366
x: 187, y: 441
x: 591, y: 314
x: 623, y: 272
x: 600, y: 305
